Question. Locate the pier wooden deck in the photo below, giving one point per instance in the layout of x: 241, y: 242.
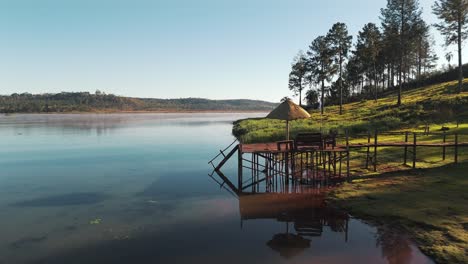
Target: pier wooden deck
x: 273, y: 148
x: 279, y: 164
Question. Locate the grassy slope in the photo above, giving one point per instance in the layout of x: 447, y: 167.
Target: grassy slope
x: 430, y: 204
x: 433, y: 104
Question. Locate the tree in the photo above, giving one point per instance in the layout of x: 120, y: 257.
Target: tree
x: 422, y: 45
x: 427, y: 55
x: 340, y: 43
x: 448, y: 57
x: 453, y: 25
x: 390, y: 52
x: 354, y: 73
x: 320, y: 64
x: 367, y: 49
x: 312, y: 97
x: 402, y: 15
x: 298, y: 72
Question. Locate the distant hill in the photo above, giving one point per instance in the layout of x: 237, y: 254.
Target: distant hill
x: 100, y: 102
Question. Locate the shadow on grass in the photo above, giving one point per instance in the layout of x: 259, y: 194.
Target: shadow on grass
x: 430, y: 204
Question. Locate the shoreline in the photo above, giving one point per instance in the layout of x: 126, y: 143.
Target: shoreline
x: 427, y: 204
x: 143, y: 112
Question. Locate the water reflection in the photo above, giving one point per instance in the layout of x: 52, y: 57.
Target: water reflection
x: 307, y: 222
x: 396, y: 247
x: 103, y: 124
x: 304, y: 216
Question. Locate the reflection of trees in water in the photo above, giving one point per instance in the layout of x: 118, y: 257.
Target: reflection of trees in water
x: 102, y: 124
x: 395, y: 246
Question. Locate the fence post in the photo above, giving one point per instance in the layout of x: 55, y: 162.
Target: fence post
x: 375, y: 150
x: 368, y: 148
x: 286, y: 167
x: 414, y: 150
x: 239, y: 168
x: 456, y: 148
x: 347, y: 155
x: 405, y: 156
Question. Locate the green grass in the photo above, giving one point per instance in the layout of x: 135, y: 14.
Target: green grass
x: 435, y: 104
x: 430, y: 204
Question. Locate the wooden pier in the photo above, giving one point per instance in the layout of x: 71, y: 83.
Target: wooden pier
x: 285, y: 165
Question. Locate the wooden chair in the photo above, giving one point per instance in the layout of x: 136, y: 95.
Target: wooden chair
x: 309, y: 140
x: 330, y: 139
x: 285, y: 145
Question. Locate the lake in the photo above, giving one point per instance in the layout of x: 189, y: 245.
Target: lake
x: 134, y: 188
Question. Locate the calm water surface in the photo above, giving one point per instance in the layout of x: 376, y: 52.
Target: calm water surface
x: 125, y: 188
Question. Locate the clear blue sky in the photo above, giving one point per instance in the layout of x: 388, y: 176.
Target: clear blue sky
x: 167, y: 49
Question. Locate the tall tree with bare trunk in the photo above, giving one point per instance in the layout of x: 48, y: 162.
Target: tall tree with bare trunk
x: 321, y: 65
x: 340, y: 43
x: 453, y: 25
x: 297, y: 74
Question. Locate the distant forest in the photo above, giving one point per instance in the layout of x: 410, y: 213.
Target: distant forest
x: 101, y: 102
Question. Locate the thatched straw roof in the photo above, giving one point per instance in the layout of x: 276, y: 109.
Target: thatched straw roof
x: 288, y: 111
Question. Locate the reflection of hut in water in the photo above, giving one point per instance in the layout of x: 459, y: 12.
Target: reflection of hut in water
x: 288, y: 245
x: 307, y: 212
x: 303, y: 207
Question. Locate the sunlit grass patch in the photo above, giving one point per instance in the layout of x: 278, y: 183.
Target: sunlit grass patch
x: 430, y: 204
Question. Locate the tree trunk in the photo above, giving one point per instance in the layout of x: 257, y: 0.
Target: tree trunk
x: 401, y: 53
x: 300, y: 97
x: 419, y: 62
x: 400, y: 84
x: 323, y: 96
x: 460, y: 64
x: 341, y: 87
x: 375, y: 83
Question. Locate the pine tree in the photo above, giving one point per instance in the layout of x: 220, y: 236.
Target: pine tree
x: 340, y: 43
x: 453, y: 25
x: 321, y: 64
x: 402, y: 15
x: 296, y: 77
x: 368, y: 49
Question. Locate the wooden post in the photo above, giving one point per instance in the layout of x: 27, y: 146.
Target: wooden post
x: 456, y: 148
x: 443, y: 148
x: 405, y: 156
x: 334, y: 163
x: 414, y: 150
x: 341, y: 157
x: 239, y: 168
x: 375, y: 150
x: 368, y: 149
x: 286, y: 167
x: 347, y: 155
